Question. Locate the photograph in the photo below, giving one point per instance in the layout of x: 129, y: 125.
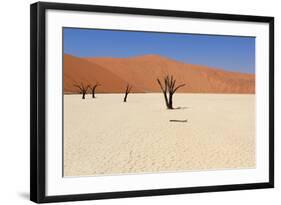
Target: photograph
x: 141, y: 102
x: 136, y: 102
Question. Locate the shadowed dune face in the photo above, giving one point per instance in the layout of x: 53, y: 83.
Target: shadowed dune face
x: 78, y: 70
x: 141, y: 72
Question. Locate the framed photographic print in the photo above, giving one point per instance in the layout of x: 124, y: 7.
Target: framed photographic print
x: 129, y: 102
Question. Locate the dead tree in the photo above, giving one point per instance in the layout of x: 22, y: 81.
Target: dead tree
x: 83, y: 89
x: 169, y: 88
x: 128, y: 90
x: 93, y: 89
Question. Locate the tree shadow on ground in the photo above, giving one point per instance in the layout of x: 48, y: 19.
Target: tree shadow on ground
x: 181, y: 108
x: 177, y: 120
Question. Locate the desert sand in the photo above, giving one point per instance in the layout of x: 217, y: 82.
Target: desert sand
x: 105, y: 136
x: 142, y: 71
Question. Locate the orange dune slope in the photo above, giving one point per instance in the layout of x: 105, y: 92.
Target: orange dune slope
x: 78, y: 70
x: 142, y: 71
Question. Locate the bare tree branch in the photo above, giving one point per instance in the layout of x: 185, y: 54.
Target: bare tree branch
x: 169, y: 89
x: 82, y: 88
x: 128, y: 90
x: 179, y: 86
x: 78, y: 86
x: 162, y: 88
x: 93, y: 89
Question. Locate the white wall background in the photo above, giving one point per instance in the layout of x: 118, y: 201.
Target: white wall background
x: 14, y: 100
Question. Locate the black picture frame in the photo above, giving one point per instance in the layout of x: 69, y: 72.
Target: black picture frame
x: 38, y: 103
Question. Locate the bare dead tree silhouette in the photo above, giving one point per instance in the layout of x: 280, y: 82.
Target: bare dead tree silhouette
x: 83, y: 89
x: 168, y: 89
x: 128, y: 90
x: 93, y: 89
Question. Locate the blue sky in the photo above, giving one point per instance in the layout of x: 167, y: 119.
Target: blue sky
x: 232, y: 53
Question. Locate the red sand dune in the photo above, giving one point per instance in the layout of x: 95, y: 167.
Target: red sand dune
x: 142, y: 72
x: 78, y: 70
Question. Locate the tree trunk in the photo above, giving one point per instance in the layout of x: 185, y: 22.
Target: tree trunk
x: 166, y: 99
x: 94, y: 91
x: 168, y: 88
x: 170, y: 104
x: 83, y: 89
x: 125, y: 98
